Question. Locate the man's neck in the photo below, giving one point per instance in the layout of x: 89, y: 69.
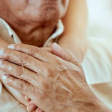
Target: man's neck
x: 35, y: 34
x: 32, y: 33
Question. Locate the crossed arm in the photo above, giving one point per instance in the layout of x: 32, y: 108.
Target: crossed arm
x: 75, y: 21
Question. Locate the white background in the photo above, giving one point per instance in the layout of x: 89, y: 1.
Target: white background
x: 100, y: 18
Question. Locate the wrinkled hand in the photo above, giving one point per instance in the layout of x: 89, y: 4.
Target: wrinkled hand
x: 54, y: 84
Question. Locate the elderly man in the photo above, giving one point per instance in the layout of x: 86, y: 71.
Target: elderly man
x: 54, y: 82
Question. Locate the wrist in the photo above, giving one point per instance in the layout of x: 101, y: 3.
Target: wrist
x: 91, y: 105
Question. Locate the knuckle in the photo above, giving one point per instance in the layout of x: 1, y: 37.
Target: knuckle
x: 20, y: 86
x: 24, y: 59
x: 19, y: 71
x: 33, y: 50
x: 7, y: 54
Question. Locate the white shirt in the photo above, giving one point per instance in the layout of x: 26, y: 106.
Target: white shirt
x: 97, y: 66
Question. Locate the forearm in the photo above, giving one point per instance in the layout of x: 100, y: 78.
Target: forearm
x: 78, y: 46
x: 75, y: 34
x: 92, y: 106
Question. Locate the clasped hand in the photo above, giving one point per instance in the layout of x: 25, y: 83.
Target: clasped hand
x: 53, y: 81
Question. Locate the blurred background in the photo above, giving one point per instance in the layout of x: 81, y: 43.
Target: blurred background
x: 100, y: 18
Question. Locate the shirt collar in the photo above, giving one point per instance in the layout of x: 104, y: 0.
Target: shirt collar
x: 59, y: 30
x: 54, y: 37
x: 11, y: 32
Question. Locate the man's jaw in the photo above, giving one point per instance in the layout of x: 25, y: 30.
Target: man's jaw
x: 36, y: 33
x: 32, y: 26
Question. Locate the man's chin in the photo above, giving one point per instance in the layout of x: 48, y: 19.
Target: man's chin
x: 49, y: 13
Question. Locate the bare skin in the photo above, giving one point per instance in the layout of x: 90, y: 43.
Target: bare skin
x: 62, y: 85
x: 79, y: 51
x: 74, y: 37
x: 39, y: 28
x: 42, y: 17
x: 75, y: 21
x: 20, y: 97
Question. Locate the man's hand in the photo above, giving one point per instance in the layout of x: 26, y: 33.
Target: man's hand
x: 54, y: 84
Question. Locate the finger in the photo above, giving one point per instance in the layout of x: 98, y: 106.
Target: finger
x: 32, y: 51
x: 20, y: 85
x: 19, y: 72
x: 29, y: 49
x: 64, y: 54
x: 39, y: 110
x: 21, y: 59
x: 32, y: 107
x: 48, y: 49
x: 23, y: 87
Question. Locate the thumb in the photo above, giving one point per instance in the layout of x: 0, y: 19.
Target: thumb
x: 64, y: 54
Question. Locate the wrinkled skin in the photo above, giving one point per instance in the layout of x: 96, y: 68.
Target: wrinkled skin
x: 33, y: 20
x: 37, y: 10
x: 54, y: 84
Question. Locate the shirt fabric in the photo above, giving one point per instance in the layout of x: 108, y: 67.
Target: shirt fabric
x: 97, y: 67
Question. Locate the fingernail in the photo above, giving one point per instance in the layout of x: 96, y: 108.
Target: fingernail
x: 4, y: 77
x: 31, y: 108
x: 1, y: 52
x: 11, y: 46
